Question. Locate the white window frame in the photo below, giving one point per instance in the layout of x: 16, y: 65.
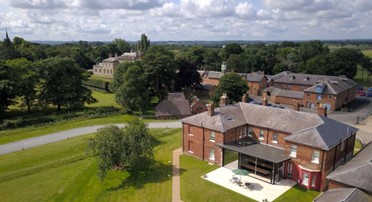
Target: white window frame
x: 315, y: 158
x: 212, y: 136
x: 212, y: 154
x: 305, y: 179
x: 293, y: 151
x: 276, y: 138
x: 241, y: 133
x: 250, y: 132
x: 262, y: 135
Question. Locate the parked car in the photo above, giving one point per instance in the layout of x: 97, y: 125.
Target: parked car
x: 361, y: 93
x: 369, y: 92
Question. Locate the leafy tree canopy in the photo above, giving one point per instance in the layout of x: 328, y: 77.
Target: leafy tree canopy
x: 233, y: 85
x: 130, y: 148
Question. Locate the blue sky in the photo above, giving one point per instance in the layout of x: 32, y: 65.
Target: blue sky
x: 105, y: 20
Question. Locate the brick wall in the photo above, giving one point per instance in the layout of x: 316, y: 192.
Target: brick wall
x: 198, y: 107
x: 211, y: 81
x: 294, y: 87
x: 285, y: 100
x: 254, y: 87
x: 335, y: 185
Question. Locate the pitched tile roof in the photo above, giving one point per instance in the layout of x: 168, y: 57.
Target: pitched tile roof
x: 357, y: 172
x: 175, y: 105
x: 252, y: 77
x: 334, y: 85
x: 305, y: 127
x: 284, y: 93
x: 345, y: 195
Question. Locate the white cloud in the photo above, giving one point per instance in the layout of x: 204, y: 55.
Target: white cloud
x: 186, y: 19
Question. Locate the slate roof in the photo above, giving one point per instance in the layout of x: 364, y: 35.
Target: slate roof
x: 344, y: 195
x: 305, y: 128
x: 285, y: 93
x: 112, y: 59
x: 324, y: 136
x: 252, y: 77
x: 278, y: 76
x: 334, y: 85
x: 215, y: 75
x: 175, y: 105
x: 357, y: 172
x: 261, y: 151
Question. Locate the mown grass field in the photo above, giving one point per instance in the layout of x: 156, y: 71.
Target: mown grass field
x: 367, y: 53
x: 28, y: 132
x: 104, y: 100
x: 297, y: 193
x: 63, y: 171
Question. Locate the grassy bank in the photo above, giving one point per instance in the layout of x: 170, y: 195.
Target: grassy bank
x: 62, y: 171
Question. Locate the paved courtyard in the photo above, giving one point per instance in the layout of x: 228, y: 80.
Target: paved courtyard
x: 262, y: 190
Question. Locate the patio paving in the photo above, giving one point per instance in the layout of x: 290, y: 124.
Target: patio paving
x: 262, y: 190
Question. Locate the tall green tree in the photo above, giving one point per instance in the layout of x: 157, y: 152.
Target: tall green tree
x: 160, y: 70
x: 143, y: 44
x: 130, y: 149
x: 61, y: 83
x: 133, y: 93
x: 26, y: 80
x: 122, y: 45
x: 310, y: 49
x: 233, y: 85
x: 232, y: 48
x: 344, y: 61
x: 187, y: 77
x: 7, y: 87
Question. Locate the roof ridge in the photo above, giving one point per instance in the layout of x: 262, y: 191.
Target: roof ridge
x: 219, y: 114
x: 347, y: 170
x: 245, y: 117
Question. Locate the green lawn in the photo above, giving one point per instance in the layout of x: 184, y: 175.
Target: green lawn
x: 367, y: 53
x: 194, y: 188
x: 104, y: 100
x: 297, y: 193
x: 358, y: 146
x: 362, y: 78
x: 23, y: 133
x: 63, y: 171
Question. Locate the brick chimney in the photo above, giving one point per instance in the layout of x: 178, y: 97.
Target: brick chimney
x: 264, y: 101
x: 296, y: 106
x: 223, y: 100
x: 210, y: 108
x: 322, y: 111
x: 244, y: 98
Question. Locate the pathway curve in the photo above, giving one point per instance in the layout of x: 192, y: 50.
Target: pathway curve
x: 55, y: 137
x: 176, y: 186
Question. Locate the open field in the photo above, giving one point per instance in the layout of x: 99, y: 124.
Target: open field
x: 362, y: 78
x: 63, y: 171
x: 367, y: 53
x: 104, y: 100
x: 28, y: 132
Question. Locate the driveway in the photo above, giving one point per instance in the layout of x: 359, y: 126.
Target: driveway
x: 55, y: 137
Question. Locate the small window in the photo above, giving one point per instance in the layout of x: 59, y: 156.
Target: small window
x: 262, y: 134
x: 308, y: 95
x: 241, y: 133
x: 212, y: 136
x: 250, y: 132
x: 330, y: 96
x: 315, y: 156
x: 319, y: 97
x: 211, y: 154
x: 293, y: 151
x: 342, y: 146
x: 275, y: 138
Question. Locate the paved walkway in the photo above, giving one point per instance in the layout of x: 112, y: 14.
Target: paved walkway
x: 55, y: 137
x: 176, y: 186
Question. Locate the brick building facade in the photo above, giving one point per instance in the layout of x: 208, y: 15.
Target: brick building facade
x: 332, y: 92
x: 270, y: 142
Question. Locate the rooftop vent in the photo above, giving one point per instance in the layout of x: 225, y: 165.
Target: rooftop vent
x: 293, y: 77
x: 343, y: 79
x: 306, y: 78
x: 334, y: 82
x: 229, y: 118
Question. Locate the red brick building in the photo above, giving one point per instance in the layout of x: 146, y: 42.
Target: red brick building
x: 256, y: 82
x: 352, y: 181
x: 271, y: 143
x: 332, y: 92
